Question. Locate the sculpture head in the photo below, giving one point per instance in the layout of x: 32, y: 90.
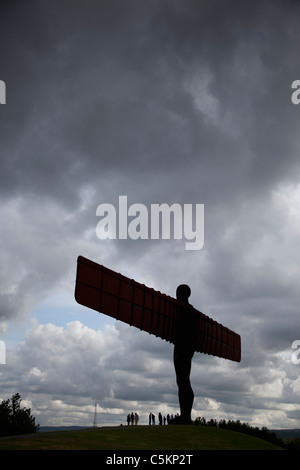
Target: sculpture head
x: 183, y: 292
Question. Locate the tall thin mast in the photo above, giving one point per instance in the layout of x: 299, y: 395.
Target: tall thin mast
x: 95, y: 416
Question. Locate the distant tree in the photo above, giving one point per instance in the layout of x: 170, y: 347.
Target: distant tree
x: 14, y: 419
x: 293, y: 444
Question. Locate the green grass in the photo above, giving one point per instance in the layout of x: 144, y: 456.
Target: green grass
x: 139, y: 438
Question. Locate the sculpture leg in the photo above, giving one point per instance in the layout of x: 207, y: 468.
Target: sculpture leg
x: 182, y: 364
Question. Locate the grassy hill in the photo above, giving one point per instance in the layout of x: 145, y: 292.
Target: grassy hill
x: 139, y: 438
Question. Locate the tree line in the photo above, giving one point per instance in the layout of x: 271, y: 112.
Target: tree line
x: 263, y: 433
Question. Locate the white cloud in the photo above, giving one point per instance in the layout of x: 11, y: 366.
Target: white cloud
x: 64, y: 371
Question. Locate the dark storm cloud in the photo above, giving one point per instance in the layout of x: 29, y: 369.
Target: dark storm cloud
x: 111, y: 88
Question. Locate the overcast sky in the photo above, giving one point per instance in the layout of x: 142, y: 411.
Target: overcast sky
x: 164, y: 101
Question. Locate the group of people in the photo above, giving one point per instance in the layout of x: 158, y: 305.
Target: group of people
x: 132, y: 419
x: 169, y: 419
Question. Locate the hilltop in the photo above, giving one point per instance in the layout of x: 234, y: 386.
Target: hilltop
x: 139, y: 438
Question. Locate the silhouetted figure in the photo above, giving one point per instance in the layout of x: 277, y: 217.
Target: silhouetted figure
x: 184, y: 348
